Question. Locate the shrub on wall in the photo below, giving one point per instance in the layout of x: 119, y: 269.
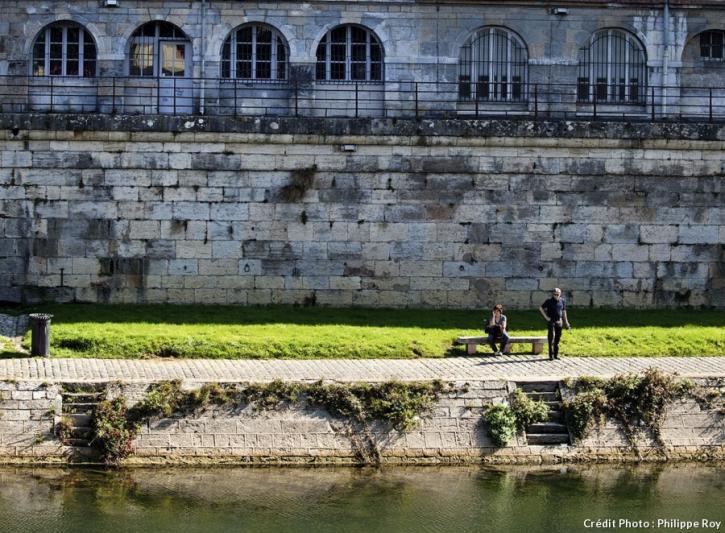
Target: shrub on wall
x: 501, y: 423
x: 113, y: 429
x: 638, y: 403
x: 396, y: 403
x: 528, y: 411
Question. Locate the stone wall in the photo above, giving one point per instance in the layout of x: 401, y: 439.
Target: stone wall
x: 360, y: 212
x: 453, y: 431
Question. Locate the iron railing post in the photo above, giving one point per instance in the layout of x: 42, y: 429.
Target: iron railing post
x: 234, y: 103
x: 710, y: 113
x: 475, y: 96
x: 536, y: 100
x: 297, y: 100
x: 51, y: 94
x: 113, y: 95
x: 652, y: 96
x: 357, y: 105
x: 416, y: 99
x: 595, y: 106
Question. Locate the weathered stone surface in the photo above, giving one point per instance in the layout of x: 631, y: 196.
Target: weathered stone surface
x: 438, y: 233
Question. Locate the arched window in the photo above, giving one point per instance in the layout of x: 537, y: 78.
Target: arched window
x: 64, y: 49
x: 159, y: 49
x: 613, y: 68
x: 712, y: 45
x: 350, y: 53
x: 255, y: 52
x: 493, y: 65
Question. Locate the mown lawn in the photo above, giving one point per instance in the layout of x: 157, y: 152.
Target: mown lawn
x: 134, y: 331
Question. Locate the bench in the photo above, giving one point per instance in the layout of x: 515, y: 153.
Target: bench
x: 537, y: 343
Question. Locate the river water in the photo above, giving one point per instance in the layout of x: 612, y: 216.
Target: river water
x: 393, y: 499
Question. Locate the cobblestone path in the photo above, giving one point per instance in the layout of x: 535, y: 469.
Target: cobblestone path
x: 517, y: 367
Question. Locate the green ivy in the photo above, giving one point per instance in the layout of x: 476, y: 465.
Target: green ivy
x: 501, y: 423
x: 64, y: 430
x: 528, y: 411
x: 636, y: 402
x: 399, y: 404
x: 114, y: 431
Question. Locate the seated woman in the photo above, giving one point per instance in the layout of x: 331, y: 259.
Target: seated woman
x: 496, y: 330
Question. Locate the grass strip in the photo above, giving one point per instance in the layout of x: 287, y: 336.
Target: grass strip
x: 145, y: 331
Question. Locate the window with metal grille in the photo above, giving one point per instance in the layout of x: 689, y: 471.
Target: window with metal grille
x: 712, y: 45
x: 612, y: 69
x: 158, y: 49
x: 349, y: 53
x: 255, y: 52
x: 493, y: 65
x: 64, y: 49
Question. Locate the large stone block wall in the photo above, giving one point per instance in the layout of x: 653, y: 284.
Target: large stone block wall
x: 28, y: 413
x: 453, y: 430
x: 385, y: 213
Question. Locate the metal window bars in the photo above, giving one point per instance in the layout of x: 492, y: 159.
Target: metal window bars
x: 612, y: 69
x: 254, y: 52
x: 349, y: 53
x: 493, y: 67
x: 64, y: 49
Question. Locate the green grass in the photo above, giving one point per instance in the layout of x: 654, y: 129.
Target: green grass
x: 135, y: 331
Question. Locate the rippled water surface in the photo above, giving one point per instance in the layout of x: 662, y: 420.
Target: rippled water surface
x: 289, y: 500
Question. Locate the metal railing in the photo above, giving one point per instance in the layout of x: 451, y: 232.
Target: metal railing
x: 401, y: 99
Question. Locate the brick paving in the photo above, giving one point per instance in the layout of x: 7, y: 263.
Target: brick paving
x: 515, y: 368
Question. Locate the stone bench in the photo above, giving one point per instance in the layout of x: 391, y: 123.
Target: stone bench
x: 537, y: 343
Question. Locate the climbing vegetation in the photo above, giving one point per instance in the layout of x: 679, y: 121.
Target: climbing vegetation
x: 638, y: 403
x: 397, y: 404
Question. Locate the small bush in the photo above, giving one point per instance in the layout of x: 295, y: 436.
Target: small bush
x: 583, y: 410
x: 501, y: 423
x: 162, y: 399
x: 636, y: 402
x: 214, y: 394
x: 64, y: 430
x: 271, y: 395
x: 113, y: 431
x: 528, y: 411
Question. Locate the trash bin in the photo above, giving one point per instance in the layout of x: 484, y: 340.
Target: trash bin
x: 40, y: 334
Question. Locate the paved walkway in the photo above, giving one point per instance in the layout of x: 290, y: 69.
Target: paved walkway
x: 515, y: 367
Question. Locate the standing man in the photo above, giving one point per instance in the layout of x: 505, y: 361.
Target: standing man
x: 554, y: 312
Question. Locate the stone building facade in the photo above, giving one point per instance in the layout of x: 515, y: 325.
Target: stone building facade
x: 391, y: 58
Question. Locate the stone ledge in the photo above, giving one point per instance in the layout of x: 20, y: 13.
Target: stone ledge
x: 79, y: 123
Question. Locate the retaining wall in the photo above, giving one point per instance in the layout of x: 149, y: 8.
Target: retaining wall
x: 363, y: 213
x: 453, y: 431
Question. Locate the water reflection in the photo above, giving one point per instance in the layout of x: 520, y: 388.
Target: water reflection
x: 430, y: 499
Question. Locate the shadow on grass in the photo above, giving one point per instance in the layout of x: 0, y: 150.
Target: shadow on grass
x: 455, y: 319
x: 8, y: 354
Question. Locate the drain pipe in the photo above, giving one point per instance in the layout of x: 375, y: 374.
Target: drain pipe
x: 203, y: 57
x: 666, y: 62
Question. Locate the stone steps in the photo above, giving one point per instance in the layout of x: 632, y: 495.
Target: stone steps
x: 547, y: 438
x: 79, y: 403
x: 546, y: 427
x: 538, y: 386
x: 554, y: 430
